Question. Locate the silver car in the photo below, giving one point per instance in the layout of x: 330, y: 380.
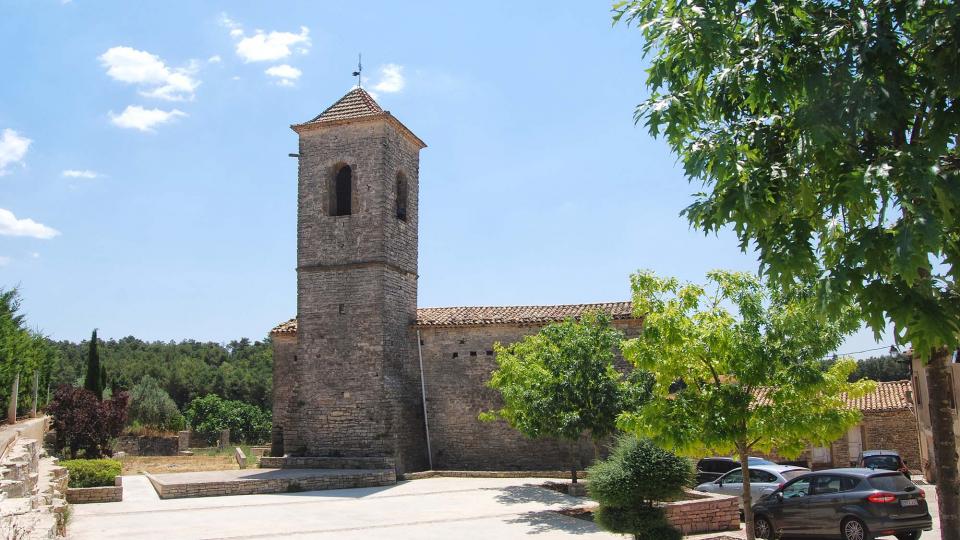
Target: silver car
x: 763, y: 479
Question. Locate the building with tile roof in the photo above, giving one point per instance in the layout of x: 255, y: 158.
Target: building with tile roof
x: 361, y: 371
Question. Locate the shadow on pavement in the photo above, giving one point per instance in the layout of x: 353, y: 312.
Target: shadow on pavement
x: 529, y: 493
x: 548, y: 521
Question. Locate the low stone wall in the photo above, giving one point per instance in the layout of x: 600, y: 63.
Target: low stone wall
x: 253, y: 485
x: 492, y: 474
x: 704, y: 512
x: 315, y: 462
x: 103, y: 494
x: 148, y: 445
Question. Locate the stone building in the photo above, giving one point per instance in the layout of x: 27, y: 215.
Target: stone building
x: 361, y: 371
x: 889, y: 423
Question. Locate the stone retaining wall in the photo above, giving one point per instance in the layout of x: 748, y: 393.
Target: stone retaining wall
x: 492, y: 474
x: 704, y: 512
x: 313, y: 462
x: 101, y: 494
x: 135, y: 445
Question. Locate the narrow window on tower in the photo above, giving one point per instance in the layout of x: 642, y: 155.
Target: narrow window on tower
x: 401, y: 197
x: 341, y: 194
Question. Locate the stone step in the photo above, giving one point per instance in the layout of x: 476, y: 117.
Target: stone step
x: 320, y: 462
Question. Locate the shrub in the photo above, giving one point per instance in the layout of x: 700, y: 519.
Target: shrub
x: 210, y: 414
x: 628, y: 484
x: 152, y: 407
x: 85, y: 424
x: 92, y: 472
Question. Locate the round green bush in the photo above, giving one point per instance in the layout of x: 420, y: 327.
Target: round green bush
x: 644, y: 522
x: 638, y: 472
x: 91, y: 472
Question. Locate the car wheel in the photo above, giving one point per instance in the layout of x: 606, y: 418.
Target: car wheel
x: 762, y: 528
x: 909, y: 535
x: 854, y: 529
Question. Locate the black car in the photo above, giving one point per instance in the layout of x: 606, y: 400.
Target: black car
x: 855, y: 504
x: 711, y: 468
x: 884, y: 459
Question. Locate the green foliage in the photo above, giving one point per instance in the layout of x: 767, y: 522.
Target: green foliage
x: 638, y: 472
x: 730, y: 343
x: 630, y: 482
x: 21, y: 351
x: 845, y: 109
x: 91, y: 472
x: 878, y: 368
x: 209, y: 415
x: 151, y: 406
x: 561, y: 382
x: 240, y: 370
x: 94, y: 380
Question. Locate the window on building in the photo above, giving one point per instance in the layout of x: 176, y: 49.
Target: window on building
x: 916, y: 389
x: 342, y: 193
x: 401, y: 197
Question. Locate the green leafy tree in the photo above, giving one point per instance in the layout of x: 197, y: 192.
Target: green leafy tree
x: 209, y: 415
x: 561, y: 382
x: 749, y: 361
x: 151, y: 406
x: 629, y: 484
x: 94, y: 380
x: 825, y: 135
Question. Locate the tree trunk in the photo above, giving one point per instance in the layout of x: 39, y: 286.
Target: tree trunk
x: 945, y: 443
x: 12, y: 409
x: 747, y: 498
x: 36, y: 390
x: 574, y: 458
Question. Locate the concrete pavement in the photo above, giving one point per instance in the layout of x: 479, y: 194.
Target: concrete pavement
x: 501, y: 508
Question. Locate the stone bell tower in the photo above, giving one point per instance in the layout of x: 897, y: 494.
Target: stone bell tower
x: 354, y: 389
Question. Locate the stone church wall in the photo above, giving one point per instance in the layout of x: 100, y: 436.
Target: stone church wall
x: 457, y: 363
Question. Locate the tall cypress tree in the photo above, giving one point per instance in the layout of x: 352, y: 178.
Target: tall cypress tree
x: 93, y: 381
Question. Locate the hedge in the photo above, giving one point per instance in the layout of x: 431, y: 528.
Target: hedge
x: 92, y: 472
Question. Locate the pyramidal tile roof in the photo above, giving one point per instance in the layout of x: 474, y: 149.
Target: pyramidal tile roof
x: 478, y: 316
x: 357, y: 103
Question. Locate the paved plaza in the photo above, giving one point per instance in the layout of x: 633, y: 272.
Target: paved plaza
x: 432, y: 508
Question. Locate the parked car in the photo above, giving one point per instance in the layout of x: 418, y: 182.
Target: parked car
x: 855, y: 504
x: 711, y: 468
x: 888, y: 460
x: 763, y: 479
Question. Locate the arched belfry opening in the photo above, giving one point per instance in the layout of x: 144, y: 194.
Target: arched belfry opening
x: 401, y: 197
x: 341, y: 196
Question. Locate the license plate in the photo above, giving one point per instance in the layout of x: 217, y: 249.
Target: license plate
x: 909, y: 502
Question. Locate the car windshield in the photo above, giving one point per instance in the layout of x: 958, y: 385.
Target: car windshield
x: 892, y: 482
x: 882, y: 462
x: 791, y: 474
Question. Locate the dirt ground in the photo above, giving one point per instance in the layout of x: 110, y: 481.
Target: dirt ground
x: 202, y: 460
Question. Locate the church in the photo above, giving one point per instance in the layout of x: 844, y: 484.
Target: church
x: 362, y: 371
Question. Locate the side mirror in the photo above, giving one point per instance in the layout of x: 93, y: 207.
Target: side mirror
x: 720, y: 482
x: 779, y: 496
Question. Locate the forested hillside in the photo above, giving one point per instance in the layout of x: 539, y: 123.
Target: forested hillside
x: 240, y: 370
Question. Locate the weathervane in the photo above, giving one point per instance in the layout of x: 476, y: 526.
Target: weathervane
x: 359, y: 72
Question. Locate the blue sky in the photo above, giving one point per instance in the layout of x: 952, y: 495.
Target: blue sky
x: 145, y: 187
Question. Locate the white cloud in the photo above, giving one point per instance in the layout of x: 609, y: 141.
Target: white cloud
x: 215, y: 59
x: 150, y: 73
x: 263, y: 47
x: 136, y: 117
x: 391, y: 79
x: 13, y: 147
x: 73, y: 173
x: 35, y: 255
x: 11, y: 226
x: 4, y: 261
x: 286, y: 74
x: 236, y: 30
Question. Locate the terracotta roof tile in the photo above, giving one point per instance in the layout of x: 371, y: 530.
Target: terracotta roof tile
x: 889, y: 396
x: 357, y: 103
x: 479, y: 316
